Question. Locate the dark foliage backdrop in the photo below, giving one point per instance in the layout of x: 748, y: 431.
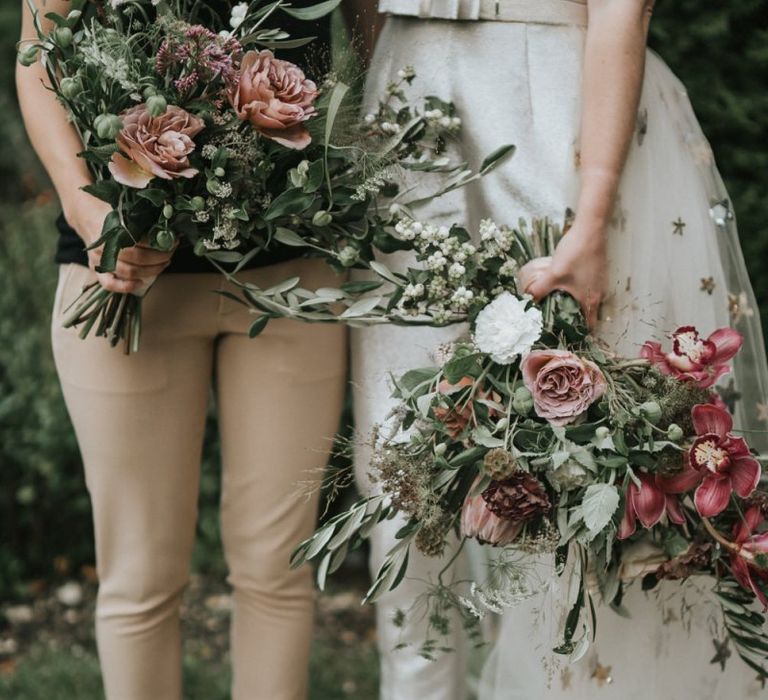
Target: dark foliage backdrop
x: 720, y: 49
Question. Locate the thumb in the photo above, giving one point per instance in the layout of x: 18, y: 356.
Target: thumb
x: 530, y: 274
x: 540, y: 286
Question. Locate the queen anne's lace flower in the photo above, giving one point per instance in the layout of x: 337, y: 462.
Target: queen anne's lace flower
x: 506, y: 328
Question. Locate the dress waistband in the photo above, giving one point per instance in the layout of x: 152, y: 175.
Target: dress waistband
x: 568, y: 12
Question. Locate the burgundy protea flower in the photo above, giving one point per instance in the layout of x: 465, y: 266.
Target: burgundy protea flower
x: 723, y: 461
x: 750, y: 545
x: 648, y: 503
x: 497, y: 515
x: 520, y: 497
x: 693, y: 358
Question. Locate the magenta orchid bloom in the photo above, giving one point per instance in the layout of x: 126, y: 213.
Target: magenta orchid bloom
x: 722, y: 460
x: 750, y: 543
x: 693, y: 358
x: 648, y: 503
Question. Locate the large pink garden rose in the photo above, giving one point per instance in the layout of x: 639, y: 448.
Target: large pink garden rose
x: 276, y: 97
x: 563, y: 385
x: 154, y: 146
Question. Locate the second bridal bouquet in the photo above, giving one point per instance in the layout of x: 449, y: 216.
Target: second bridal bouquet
x: 198, y: 134
x: 532, y: 438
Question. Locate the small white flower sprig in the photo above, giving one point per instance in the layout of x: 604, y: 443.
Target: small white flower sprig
x: 452, y: 280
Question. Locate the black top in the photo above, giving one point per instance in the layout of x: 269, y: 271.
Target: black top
x: 313, y: 58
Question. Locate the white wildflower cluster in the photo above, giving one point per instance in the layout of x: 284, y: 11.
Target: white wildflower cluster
x: 224, y: 235
x: 238, y: 14
x: 371, y: 186
x: 223, y: 190
x: 454, y: 276
x: 436, y: 118
x: 497, y: 241
x: 407, y: 73
x: 209, y: 151
x: 454, y: 273
x: 105, y: 52
x: 496, y: 599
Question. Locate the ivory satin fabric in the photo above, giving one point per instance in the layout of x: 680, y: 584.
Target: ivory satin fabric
x: 519, y: 81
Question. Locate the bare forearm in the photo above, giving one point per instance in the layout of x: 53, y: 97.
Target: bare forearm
x: 364, y: 24
x: 614, y: 64
x: 54, y: 139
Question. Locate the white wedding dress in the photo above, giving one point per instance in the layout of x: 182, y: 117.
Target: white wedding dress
x: 513, y: 69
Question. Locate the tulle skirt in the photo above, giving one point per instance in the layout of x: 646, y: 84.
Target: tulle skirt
x: 674, y: 259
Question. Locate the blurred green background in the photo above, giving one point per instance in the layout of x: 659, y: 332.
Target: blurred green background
x: 720, y: 50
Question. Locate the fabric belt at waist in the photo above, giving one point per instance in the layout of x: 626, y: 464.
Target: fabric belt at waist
x: 567, y: 12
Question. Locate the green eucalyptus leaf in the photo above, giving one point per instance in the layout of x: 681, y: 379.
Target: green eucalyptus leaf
x: 289, y: 238
x: 496, y: 158
x: 313, y: 11
x: 258, y: 326
x: 292, y: 201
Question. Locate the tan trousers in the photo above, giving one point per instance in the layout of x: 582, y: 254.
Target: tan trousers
x: 139, y: 421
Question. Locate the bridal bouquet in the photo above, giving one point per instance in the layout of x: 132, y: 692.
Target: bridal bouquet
x: 532, y: 438
x: 197, y: 134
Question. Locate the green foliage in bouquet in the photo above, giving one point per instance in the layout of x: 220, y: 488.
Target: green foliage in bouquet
x: 200, y: 136
x: 532, y: 437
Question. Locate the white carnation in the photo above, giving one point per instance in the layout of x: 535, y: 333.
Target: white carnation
x: 505, y: 329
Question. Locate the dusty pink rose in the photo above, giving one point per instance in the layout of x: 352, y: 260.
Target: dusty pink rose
x: 154, y: 146
x: 276, y: 97
x: 563, y: 385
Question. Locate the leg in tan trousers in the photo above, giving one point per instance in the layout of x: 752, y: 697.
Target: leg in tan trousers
x: 139, y: 422
x: 279, y: 402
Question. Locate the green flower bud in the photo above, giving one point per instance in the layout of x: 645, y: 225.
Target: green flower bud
x: 651, y: 411
x: 156, y: 105
x: 70, y: 88
x: 602, y: 432
x: 148, y: 92
x: 28, y: 56
x: 321, y: 218
x: 349, y: 256
x: 219, y: 172
x: 522, y: 401
x: 298, y: 175
x: 440, y: 449
x: 502, y: 423
x: 107, y: 126
x: 165, y: 239
x: 199, y: 248
x: 168, y: 211
x: 198, y: 203
x: 63, y: 37
x: 674, y: 432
